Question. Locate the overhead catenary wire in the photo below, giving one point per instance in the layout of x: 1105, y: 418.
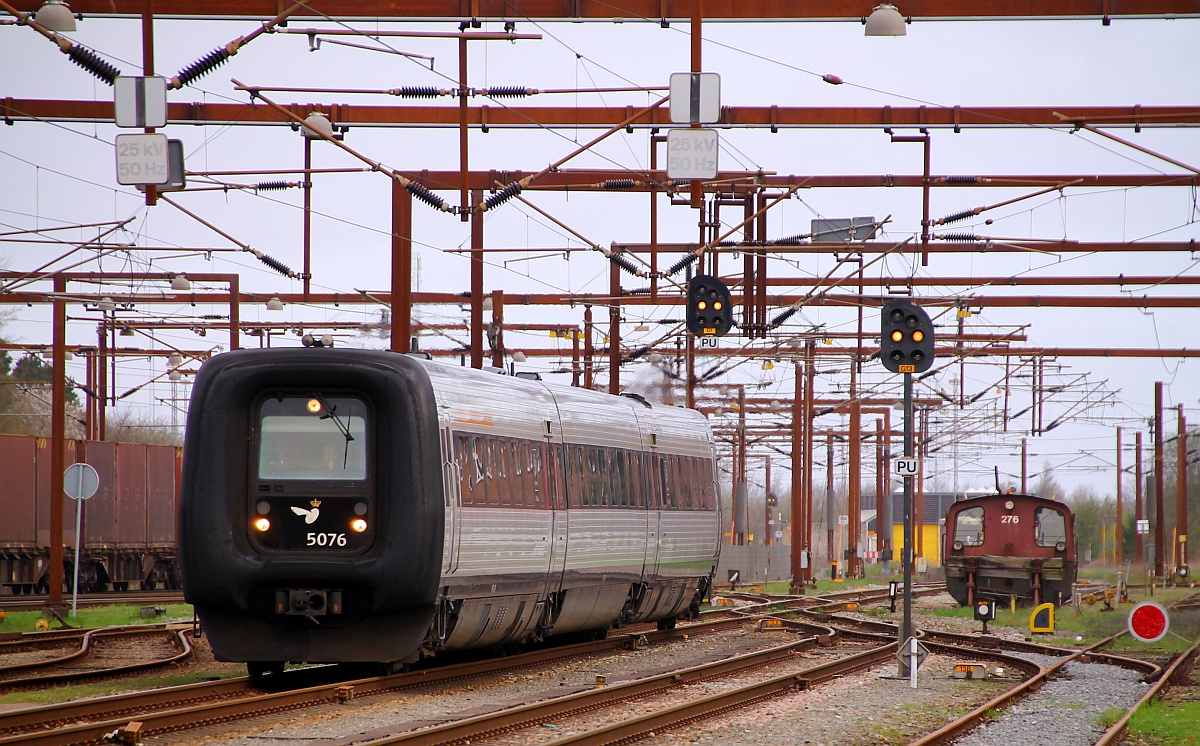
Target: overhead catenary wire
x: 86, y: 58
x: 266, y: 259
x: 418, y: 190
x: 221, y: 55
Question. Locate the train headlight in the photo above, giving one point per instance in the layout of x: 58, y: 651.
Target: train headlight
x: 261, y: 524
x: 1008, y: 504
x: 958, y: 545
x: 1061, y: 546
x: 358, y: 525
x: 1182, y: 571
x: 314, y: 405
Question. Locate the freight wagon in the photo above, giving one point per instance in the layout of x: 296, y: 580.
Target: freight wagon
x: 128, y: 525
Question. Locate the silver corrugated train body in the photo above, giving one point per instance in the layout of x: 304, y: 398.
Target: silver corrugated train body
x: 351, y: 505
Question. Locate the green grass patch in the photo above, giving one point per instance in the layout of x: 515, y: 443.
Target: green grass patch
x: 1109, y: 717
x: 106, y: 688
x: 98, y: 616
x: 1167, y: 723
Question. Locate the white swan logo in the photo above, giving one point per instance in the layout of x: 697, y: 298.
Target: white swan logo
x: 310, y: 516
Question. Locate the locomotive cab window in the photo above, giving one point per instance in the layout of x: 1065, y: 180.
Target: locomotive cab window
x: 1050, y: 528
x: 312, y: 437
x: 968, y: 527
x: 311, y: 490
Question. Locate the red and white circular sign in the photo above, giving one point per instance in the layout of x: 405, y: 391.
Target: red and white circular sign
x: 1148, y: 622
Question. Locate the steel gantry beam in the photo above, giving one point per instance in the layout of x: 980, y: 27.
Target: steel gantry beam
x: 504, y: 116
x: 631, y: 10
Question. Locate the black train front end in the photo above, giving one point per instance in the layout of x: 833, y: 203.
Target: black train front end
x: 310, y: 515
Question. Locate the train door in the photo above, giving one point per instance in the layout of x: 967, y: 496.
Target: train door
x: 553, y: 484
x: 1008, y: 533
x: 656, y: 493
x: 453, y: 472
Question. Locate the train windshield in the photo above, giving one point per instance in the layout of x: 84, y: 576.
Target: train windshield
x: 1049, y: 526
x: 312, y: 437
x: 968, y: 527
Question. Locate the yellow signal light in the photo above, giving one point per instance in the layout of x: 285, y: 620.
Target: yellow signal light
x: 358, y: 525
x: 314, y: 405
x: 918, y: 335
x: 261, y: 524
x: 702, y: 305
x: 897, y: 336
x: 717, y: 305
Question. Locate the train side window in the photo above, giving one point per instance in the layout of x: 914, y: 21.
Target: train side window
x: 575, y: 476
x: 637, y: 485
x: 476, y: 475
x: 968, y: 527
x: 685, y: 484
x: 620, y: 478
x: 510, y: 487
x: 670, y: 484
x: 521, y: 492
x: 1049, y: 526
x: 466, y: 469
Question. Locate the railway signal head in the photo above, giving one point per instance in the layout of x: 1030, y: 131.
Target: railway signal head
x: 709, y: 307
x: 985, y: 610
x: 906, y: 338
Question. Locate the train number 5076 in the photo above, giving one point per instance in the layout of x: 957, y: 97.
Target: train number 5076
x: 326, y: 540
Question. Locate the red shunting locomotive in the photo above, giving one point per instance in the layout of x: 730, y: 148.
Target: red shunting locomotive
x: 1006, y: 545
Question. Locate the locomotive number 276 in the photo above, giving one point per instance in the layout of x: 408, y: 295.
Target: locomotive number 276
x: 1003, y: 519
x: 326, y: 540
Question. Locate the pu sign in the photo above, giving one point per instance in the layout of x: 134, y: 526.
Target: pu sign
x: 906, y: 467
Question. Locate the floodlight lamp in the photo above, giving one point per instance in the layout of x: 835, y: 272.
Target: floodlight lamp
x: 180, y: 282
x: 885, y: 20
x: 317, y: 126
x: 54, y: 15
x: 275, y: 304
x: 126, y: 331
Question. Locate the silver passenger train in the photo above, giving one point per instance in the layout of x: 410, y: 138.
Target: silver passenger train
x: 346, y: 505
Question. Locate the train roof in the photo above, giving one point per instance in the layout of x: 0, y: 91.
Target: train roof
x: 971, y: 501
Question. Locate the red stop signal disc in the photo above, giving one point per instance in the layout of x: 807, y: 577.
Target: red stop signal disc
x: 1148, y: 622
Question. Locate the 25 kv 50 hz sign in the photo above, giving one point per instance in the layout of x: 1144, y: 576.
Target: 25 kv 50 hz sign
x: 143, y: 159
x: 691, y: 154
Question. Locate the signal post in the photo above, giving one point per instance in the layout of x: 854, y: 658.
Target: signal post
x: 906, y: 346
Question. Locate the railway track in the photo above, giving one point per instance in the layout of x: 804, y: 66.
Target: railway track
x: 180, y: 708
x: 74, y: 655
x: 822, y: 631
x: 142, y: 598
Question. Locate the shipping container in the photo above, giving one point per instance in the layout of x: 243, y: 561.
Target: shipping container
x: 18, y: 498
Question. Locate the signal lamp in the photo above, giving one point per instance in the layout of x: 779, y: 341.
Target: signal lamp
x: 261, y: 524
x: 314, y: 405
x: 358, y: 525
x: 1061, y: 546
x: 709, y: 304
x: 906, y: 338
x: 958, y: 545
